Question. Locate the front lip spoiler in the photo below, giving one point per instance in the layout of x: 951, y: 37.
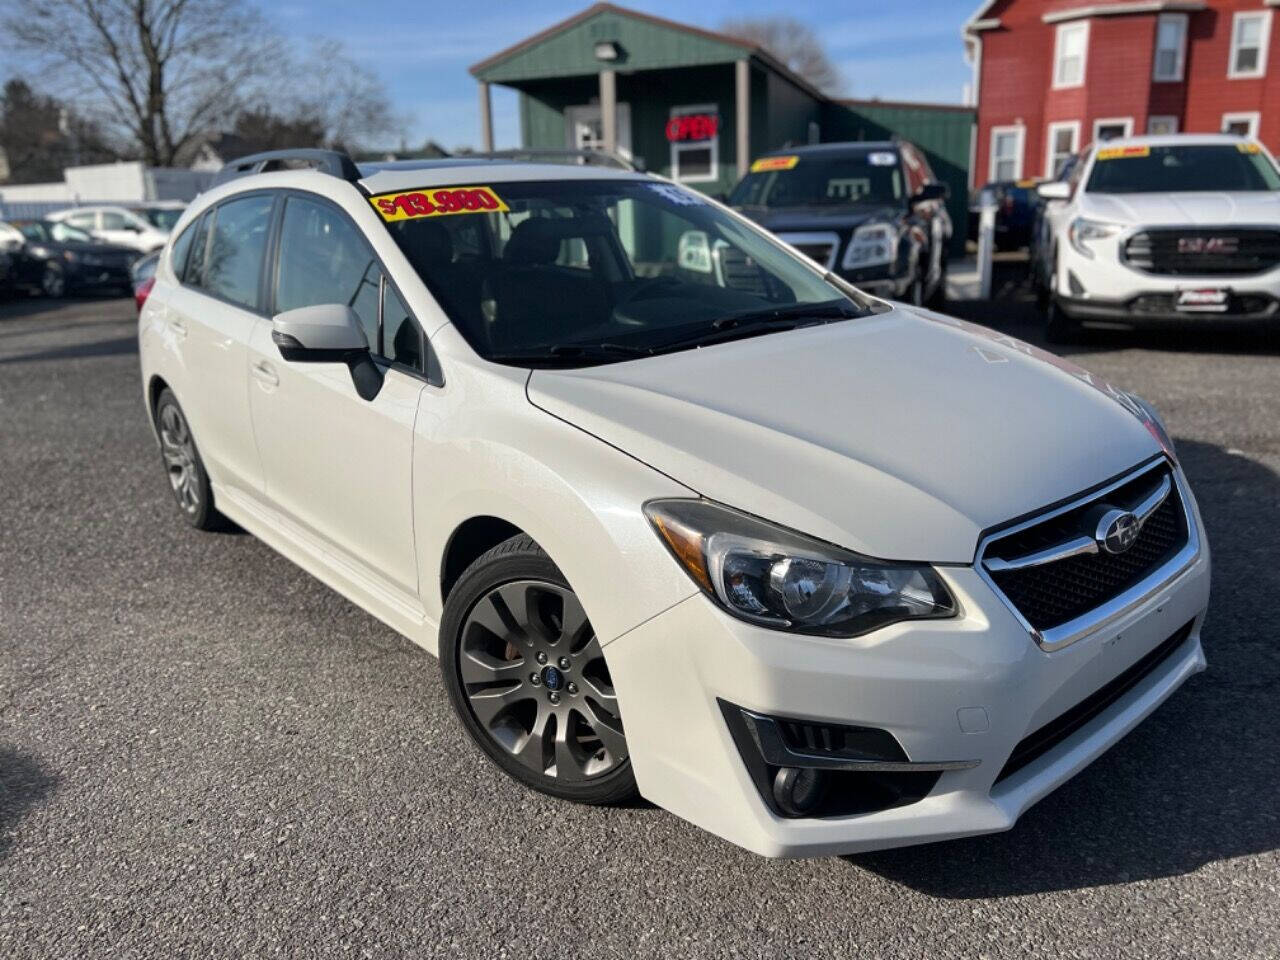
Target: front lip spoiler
x: 768, y: 738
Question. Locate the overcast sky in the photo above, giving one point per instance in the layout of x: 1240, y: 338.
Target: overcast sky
x: 896, y: 51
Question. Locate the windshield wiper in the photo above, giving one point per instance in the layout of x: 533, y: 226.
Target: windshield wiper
x: 571, y: 351
x: 832, y: 310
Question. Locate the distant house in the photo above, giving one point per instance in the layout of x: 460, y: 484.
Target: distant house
x: 212, y: 151
x: 1051, y: 76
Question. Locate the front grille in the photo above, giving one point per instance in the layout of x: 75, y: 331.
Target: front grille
x: 1056, y: 593
x: 820, y: 253
x: 1201, y: 252
x: 1037, y: 744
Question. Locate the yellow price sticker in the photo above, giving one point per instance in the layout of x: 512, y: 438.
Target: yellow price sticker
x: 774, y: 163
x: 1123, y: 153
x: 1248, y: 148
x: 436, y: 202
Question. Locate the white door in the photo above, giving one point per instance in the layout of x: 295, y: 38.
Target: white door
x: 336, y: 465
x: 584, y: 128
x: 121, y: 227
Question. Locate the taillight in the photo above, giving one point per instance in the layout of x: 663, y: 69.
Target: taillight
x: 142, y: 290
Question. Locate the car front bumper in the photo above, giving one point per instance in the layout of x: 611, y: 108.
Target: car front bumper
x: 1103, y: 288
x: 950, y: 692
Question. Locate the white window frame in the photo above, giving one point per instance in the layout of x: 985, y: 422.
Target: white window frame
x: 1172, y: 118
x: 1062, y: 31
x: 1263, y: 42
x: 992, y: 160
x: 1251, y: 117
x: 1072, y: 125
x: 680, y: 146
x: 1177, y: 75
x: 1126, y: 122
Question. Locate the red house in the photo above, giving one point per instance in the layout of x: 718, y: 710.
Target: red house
x: 1051, y: 76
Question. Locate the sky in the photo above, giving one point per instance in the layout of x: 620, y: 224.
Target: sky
x: 904, y: 50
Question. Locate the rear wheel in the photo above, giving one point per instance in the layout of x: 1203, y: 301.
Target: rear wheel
x: 187, y: 477
x: 528, y: 679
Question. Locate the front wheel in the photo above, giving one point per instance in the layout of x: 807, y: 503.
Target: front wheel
x: 1058, y: 326
x: 53, y: 282
x: 528, y: 679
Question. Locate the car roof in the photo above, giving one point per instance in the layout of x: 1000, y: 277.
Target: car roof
x: 1176, y: 140
x: 846, y: 148
x: 409, y: 174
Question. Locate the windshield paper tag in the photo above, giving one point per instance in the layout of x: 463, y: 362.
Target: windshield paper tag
x: 1119, y: 153
x: 442, y: 202
x: 881, y: 158
x: 1248, y: 148
x: 774, y: 163
x: 674, y: 194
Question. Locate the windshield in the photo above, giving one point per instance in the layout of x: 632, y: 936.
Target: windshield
x: 574, y: 272
x: 871, y: 178
x: 1183, y: 169
x: 162, y: 218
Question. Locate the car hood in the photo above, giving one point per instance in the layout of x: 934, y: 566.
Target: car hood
x: 901, y: 436
x: 1181, y: 209
x: 819, y: 217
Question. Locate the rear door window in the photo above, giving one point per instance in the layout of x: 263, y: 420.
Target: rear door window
x: 236, y: 245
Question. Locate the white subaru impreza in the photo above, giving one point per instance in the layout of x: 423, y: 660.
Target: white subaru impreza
x: 679, y: 512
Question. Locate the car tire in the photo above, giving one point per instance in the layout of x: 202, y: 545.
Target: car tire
x: 1059, y: 327
x: 526, y: 675
x: 53, y: 281
x: 188, y: 479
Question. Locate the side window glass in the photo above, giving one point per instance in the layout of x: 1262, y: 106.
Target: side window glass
x: 112, y: 220
x: 324, y: 259
x: 194, y: 268
x: 182, y: 247
x: 85, y: 221
x: 402, y: 339
x: 237, y: 241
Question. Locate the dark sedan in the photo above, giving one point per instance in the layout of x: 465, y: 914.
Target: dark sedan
x: 872, y: 213
x: 56, y: 259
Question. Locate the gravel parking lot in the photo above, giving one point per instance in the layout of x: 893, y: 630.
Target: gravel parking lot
x: 204, y: 752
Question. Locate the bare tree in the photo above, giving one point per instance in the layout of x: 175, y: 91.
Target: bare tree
x: 156, y: 73
x: 347, y: 102
x: 792, y: 42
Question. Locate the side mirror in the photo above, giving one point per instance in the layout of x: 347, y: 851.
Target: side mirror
x: 328, y: 333
x: 931, y: 191
x: 1055, y: 190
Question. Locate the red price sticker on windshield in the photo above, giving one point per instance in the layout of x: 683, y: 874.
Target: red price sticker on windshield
x: 437, y: 202
x: 1123, y: 153
x: 774, y: 163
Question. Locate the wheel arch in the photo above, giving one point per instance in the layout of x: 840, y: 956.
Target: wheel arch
x: 155, y: 386
x: 470, y: 540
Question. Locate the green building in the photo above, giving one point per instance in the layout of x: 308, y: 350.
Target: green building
x: 694, y: 105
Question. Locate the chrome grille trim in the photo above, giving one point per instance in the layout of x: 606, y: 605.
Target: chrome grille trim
x: 1118, y: 606
x: 829, y: 239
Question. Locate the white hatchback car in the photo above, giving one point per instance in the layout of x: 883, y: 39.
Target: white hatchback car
x: 1148, y: 229
x: 815, y: 572
x: 118, y: 225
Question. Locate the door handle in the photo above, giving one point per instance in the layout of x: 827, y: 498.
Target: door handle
x: 264, y: 373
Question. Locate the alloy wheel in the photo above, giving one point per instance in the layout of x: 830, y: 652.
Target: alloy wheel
x: 179, y: 452
x: 535, y: 679
x: 53, y: 283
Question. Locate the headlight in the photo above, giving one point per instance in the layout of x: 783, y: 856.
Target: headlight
x: 69, y: 255
x: 871, y: 244
x: 769, y: 575
x: 1083, y: 231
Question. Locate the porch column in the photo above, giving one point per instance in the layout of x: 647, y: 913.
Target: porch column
x: 486, y: 119
x: 742, y: 103
x: 609, y: 108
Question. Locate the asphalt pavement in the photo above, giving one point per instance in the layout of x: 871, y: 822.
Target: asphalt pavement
x: 206, y: 753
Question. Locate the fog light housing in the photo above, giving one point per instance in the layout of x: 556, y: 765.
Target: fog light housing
x: 798, y: 792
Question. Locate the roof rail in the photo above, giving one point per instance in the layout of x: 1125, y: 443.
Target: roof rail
x: 332, y: 162
x: 597, y: 157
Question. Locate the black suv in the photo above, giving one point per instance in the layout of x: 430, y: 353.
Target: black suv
x: 872, y: 213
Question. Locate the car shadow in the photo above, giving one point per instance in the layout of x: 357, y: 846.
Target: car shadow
x: 119, y: 346
x: 24, y: 782
x: 16, y: 306
x: 1195, y: 783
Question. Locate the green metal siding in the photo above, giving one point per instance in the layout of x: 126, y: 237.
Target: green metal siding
x: 943, y: 133
x: 645, y: 46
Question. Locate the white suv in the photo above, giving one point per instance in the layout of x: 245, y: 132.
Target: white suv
x: 679, y: 511
x: 118, y: 225
x: 1164, y: 228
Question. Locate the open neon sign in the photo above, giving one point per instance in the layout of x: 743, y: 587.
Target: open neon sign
x: 693, y: 126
